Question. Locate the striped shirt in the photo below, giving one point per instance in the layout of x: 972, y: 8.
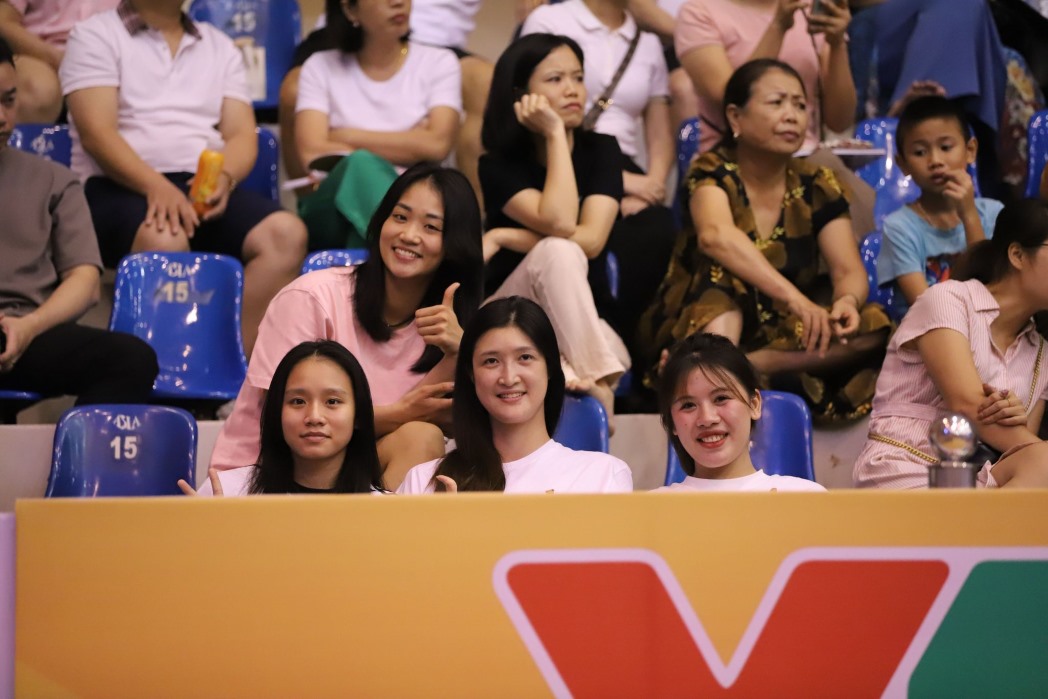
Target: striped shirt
x: 907, y: 401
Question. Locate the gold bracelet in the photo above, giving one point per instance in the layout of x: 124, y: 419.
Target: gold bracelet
x: 232, y: 180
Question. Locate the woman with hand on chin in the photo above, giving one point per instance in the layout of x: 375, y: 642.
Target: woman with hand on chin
x: 509, y: 392
x: 551, y: 193
x: 318, y: 430
x: 749, y: 264
x: 709, y: 402
x: 399, y: 313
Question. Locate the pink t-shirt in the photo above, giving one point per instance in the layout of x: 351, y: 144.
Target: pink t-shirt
x: 907, y: 400
x: 52, y: 20
x: 738, y: 28
x: 552, y: 468
x: 318, y: 305
x: 758, y: 481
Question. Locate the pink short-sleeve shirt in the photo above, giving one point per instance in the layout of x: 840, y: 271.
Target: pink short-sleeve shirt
x: 318, y: 305
x: 52, y: 20
x: 738, y: 29
x: 907, y: 401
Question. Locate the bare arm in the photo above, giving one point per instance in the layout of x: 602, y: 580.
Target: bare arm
x: 658, y: 136
x: 839, y: 90
x: 24, y: 42
x: 912, y: 285
x: 652, y: 17
x: 837, y: 245
x: 948, y: 356
x: 237, y: 126
x: 431, y: 140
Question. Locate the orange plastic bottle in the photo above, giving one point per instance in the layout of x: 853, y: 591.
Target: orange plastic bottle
x: 209, y: 169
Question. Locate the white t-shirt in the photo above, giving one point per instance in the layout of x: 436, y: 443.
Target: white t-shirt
x: 756, y: 482
x: 645, y: 77
x: 443, y: 22
x: 332, y: 82
x: 552, y: 468
x: 167, y: 107
x: 236, y: 482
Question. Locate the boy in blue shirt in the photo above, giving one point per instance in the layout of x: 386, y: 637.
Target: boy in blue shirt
x: 922, y: 240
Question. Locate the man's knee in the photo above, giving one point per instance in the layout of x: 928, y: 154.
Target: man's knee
x: 39, y: 91
x: 279, y: 236
x: 149, y: 238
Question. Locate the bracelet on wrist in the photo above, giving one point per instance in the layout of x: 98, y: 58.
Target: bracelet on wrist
x: 849, y: 295
x: 232, y: 180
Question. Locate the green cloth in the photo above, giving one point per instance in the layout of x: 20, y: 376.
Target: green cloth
x: 337, y: 214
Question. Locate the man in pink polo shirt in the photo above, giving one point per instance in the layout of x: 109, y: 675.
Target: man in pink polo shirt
x: 37, y: 31
x: 148, y: 89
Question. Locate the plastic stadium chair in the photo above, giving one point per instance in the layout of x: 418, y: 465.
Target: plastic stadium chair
x: 583, y: 424
x: 263, y: 177
x: 104, y: 450
x: 869, y: 249
x: 687, y: 146
x: 12, y: 402
x: 780, y: 444
x: 49, y: 141
x: 270, y: 28
x: 322, y: 259
x: 1037, y: 138
x: 187, y: 307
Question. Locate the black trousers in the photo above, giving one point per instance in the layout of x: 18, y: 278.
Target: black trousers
x: 95, y: 365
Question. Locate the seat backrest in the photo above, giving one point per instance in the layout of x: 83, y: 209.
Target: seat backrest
x: 49, y: 141
x: 187, y: 307
x: 687, y: 146
x: 780, y: 444
x: 267, y: 32
x: 263, y: 177
x: 869, y: 249
x: 1037, y: 138
x: 583, y: 424
x: 322, y: 259
x: 104, y: 450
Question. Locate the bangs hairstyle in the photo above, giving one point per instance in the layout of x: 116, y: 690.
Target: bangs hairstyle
x: 475, y: 464
x: 740, y: 88
x: 462, y: 262
x: 501, y: 133
x: 1023, y: 223
x: 722, y: 362
x: 930, y: 107
x: 340, y: 30
x: 6, y: 54
x: 275, y: 469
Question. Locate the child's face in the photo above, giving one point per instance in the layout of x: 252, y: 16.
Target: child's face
x: 712, y: 421
x: 318, y: 412
x: 935, y: 149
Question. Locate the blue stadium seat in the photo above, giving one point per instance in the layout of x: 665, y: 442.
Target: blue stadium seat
x: 780, y: 444
x: 869, y: 249
x: 49, y: 141
x: 263, y: 177
x: 583, y: 424
x: 273, y: 26
x: 112, y: 450
x: 687, y: 146
x: 187, y: 307
x: 12, y: 402
x: 1037, y: 138
x: 322, y: 259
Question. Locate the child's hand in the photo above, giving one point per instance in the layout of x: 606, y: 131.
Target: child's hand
x: 960, y: 190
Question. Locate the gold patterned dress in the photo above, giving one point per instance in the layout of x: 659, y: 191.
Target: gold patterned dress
x: 697, y: 288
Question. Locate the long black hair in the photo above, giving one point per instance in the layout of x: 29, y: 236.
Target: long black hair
x: 719, y: 359
x: 740, y: 88
x: 1023, y: 223
x: 275, y: 471
x: 475, y: 464
x: 502, y: 133
x: 463, y: 259
x: 342, y: 33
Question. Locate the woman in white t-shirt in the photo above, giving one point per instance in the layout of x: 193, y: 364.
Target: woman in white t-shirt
x: 709, y: 402
x: 318, y: 430
x: 398, y: 99
x: 509, y: 391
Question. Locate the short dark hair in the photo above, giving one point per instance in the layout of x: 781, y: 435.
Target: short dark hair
x: 501, y: 133
x: 463, y: 256
x: 929, y: 107
x: 718, y: 358
x: 475, y: 464
x: 361, y: 470
x: 347, y: 36
x: 6, y: 54
x: 1023, y: 223
x: 740, y: 87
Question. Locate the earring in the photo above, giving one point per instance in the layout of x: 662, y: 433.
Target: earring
x: 735, y: 135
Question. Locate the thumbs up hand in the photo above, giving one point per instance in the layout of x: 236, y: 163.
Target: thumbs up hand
x: 438, y: 325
